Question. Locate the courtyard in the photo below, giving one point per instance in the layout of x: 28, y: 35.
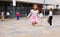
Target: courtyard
x: 23, y: 28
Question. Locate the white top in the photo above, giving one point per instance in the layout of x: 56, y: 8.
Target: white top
x: 33, y: 13
x: 40, y: 15
x: 2, y: 14
x: 50, y: 13
x: 8, y: 13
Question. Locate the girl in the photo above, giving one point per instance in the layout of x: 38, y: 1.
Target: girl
x: 50, y: 17
x: 40, y: 18
x: 17, y: 15
x: 34, y: 15
x: 8, y: 15
x: 2, y: 16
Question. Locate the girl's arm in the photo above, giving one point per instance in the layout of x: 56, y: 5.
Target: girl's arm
x: 29, y: 14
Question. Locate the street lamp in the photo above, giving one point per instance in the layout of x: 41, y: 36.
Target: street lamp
x: 44, y: 7
x: 14, y: 4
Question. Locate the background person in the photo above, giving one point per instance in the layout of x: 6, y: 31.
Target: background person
x: 8, y: 15
x: 17, y: 15
x: 2, y: 16
x: 50, y: 17
x: 40, y: 18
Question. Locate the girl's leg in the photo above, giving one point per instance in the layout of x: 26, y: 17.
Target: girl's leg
x: 33, y: 23
x: 2, y: 18
x: 17, y: 17
x: 36, y: 23
x: 51, y: 21
x: 48, y: 20
x: 41, y: 21
x: 8, y: 17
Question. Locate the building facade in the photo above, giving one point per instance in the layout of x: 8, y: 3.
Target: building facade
x: 22, y: 6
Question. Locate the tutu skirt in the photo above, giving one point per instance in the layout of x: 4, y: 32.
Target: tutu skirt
x: 34, y: 19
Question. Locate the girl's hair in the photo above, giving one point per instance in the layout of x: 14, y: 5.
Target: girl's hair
x: 50, y: 9
x: 36, y: 5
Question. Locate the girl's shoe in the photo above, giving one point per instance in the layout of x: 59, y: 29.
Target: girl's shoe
x: 33, y: 24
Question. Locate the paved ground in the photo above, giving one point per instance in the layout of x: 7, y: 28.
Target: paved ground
x: 23, y: 28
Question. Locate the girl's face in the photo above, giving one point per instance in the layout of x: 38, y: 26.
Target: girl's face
x: 35, y: 7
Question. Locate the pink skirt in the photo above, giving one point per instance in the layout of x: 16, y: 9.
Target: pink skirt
x: 34, y: 19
